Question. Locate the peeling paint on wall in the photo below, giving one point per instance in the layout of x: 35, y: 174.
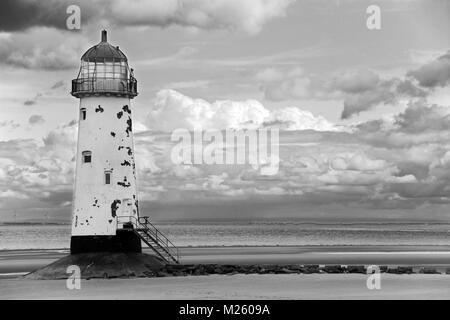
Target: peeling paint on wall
x: 125, y: 163
x: 129, y: 126
x: 125, y: 183
x: 114, y: 207
x: 95, y: 204
x: 126, y: 109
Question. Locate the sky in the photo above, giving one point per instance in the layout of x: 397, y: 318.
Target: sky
x: 363, y: 115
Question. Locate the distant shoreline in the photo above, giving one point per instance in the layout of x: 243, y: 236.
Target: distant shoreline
x: 322, y: 246
x: 318, y: 246
x: 264, y: 221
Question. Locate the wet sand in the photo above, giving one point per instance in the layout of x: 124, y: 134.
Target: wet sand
x: 23, y: 261
x: 15, y: 263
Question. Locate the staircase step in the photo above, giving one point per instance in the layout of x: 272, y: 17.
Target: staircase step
x: 150, y: 237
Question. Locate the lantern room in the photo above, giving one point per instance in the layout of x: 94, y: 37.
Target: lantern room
x: 104, y: 71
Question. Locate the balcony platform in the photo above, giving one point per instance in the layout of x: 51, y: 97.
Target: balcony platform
x: 104, y: 86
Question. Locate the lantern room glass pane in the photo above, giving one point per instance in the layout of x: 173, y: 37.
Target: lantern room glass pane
x: 109, y: 67
x: 111, y: 70
x: 100, y: 68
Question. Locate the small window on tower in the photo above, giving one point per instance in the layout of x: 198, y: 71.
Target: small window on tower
x: 87, y: 156
x: 107, y: 177
x: 83, y: 113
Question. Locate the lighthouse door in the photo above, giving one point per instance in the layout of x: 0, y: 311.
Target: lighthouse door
x: 127, y: 210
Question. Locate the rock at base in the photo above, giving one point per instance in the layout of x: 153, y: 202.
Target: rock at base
x: 101, y: 265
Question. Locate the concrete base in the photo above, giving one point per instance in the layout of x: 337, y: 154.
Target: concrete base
x: 123, y: 241
x: 101, y: 265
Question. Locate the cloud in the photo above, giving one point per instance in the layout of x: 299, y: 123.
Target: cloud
x: 22, y: 14
x: 433, y: 74
x: 9, y: 124
x: 359, y: 89
x: 420, y: 117
x: 357, y: 161
x: 29, y: 102
x: 173, y: 110
x: 388, y: 91
x: 42, y: 49
x: 33, y: 34
x: 36, y: 119
x: 33, y: 101
x: 293, y: 118
x: 394, y: 163
x: 376, y: 164
x: 39, y: 174
x: 249, y: 16
x: 58, y: 84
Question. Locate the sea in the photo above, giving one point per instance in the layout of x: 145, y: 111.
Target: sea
x: 250, y: 233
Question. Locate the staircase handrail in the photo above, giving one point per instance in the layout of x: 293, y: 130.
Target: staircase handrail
x: 158, y: 235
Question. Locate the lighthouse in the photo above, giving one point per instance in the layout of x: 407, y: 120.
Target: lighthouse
x: 105, y: 203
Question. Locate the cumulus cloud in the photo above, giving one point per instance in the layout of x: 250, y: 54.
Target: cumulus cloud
x: 57, y: 85
x: 173, y: 110
x: 9, y: 124
x: 293, y: 118
x: 404, y: 163
x: 433, y: 74
x: 22, y: 14
x: 357, y: 161
x: 29, y: 102
x: 388, y: 91
x: 31, y: 37
x: 421, y: 117
x: 36, y: 119
x: 249, y: 15
x: 42, y: 48
x: 360, y: 89
x: 383, y: 165
x: 38, y: 173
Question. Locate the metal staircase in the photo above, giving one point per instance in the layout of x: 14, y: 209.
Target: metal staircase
x: 152, y: 237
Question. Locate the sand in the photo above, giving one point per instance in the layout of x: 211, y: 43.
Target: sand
x: 239, y: 286
x: 14, y: 261
x: 298, y: 286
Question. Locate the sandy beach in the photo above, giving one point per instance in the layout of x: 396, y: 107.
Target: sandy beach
x: 312, y: 286
x: 23, y: 261
x: 15, y: 263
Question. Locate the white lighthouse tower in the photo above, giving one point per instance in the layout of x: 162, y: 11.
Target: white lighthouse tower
x: 105, y: 204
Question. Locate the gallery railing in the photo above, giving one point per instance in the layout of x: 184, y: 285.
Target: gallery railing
x: 83, y: 86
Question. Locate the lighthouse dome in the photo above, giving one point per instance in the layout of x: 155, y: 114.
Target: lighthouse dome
x: 103, y: 52
x: 104, y: 71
